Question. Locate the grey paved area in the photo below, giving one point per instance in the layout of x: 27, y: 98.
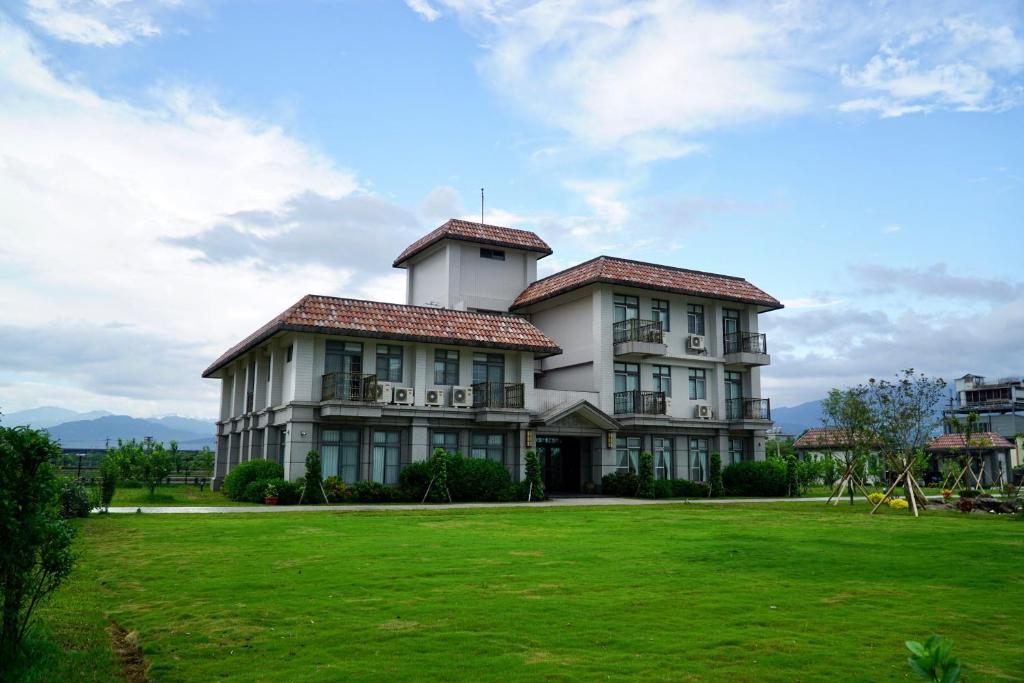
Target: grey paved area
x: 556, y: 502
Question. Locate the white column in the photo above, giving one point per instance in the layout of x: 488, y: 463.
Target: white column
x: 259, y: 401
x: 276, y: 375
x: 419, y: 374
x: 526, y: 361
x: 302, y: 356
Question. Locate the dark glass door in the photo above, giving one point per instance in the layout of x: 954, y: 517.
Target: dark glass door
x: 560, y: 464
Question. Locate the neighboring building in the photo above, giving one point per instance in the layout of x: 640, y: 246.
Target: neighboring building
x: 589, y: 366
x: 816, y: 443
x: 999, y: 406
x: 990, y: 448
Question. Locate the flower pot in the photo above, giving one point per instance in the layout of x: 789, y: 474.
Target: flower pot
x: 270, y: 500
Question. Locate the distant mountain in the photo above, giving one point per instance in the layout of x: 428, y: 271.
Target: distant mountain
x: 48, y: 416
x: 95, y: 433
x: 188, y: 424
x: 796, y: 419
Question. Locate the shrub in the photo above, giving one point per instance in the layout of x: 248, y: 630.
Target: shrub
x: 717, y: 489
x: 947, y: 494
x: 314, y: 479
x: 755, y: 478
x: 256, y: 490
x: 534, y: 482
x: 623, y: 484
x: 109, y: 473
x: 680, y: 488
x: 239, y: 478
x: 933, y: 661
x: 371, y: 492
x: 288, y: 492
x: 74, y: 499
x: 876, y: 497
x: 792, y: 476
x: 898, y: 504
x: 477, y: 479
x: 414, y: 479
x: 970, y: 493
x: 336, y: 489
x: 829, y: 471
x: 965, y: 504
x: 645, y: 475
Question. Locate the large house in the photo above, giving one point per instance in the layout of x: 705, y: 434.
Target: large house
x: 589, y: 367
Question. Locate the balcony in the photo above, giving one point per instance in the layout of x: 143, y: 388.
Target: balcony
x: 748, y: 409
x: 343, y: 386
x: 746, y: 348
x: 498, y: 395
x: 642, y: 402
x: 639, y: 338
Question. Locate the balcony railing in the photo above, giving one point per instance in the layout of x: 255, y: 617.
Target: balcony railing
x: 748, y: 409
x: 497, y: 395
x: 344, y: 386
x: 643, y: 402
x: 636, y: 330
x: 745, y: 342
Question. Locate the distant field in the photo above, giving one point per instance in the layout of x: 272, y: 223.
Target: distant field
x: 171, y: 495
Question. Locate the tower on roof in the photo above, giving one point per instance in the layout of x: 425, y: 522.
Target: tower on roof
x: 470, y: 266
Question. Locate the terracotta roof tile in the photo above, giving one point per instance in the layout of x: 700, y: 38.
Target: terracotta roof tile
x: 618, y: 271
x: 359, y: 318
x: 981, y: 440
x: 480, y: 233
x: 823, y: 438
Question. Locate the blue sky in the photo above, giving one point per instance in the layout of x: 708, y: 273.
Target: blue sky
x: 162, y: 161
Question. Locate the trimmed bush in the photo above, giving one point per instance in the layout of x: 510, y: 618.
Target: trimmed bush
x: 755, y: 478
x: 256, y: 491
x: 243, y: 474
x: 478, y: 479
x: 288, y: 492
x: 898, y: 504
x: 110, y: 472
x: 414, y: 479
x: 336, y: 489
x: 371, y: 492
x: 717, y: 489
x: 74, y: 499
x: 314, y: 479
x: 680, y: 488
x: 622, y: 484
x: 645, y: 489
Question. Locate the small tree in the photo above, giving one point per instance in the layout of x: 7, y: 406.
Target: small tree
x: 174, y: 455
x: 717, y: 489
x: 439, y: 476
x: 152, y: 465
x: 645, y: 474
x: 848, y: 414
x: 314, y: 476
x: 792, y: 476
x: 109, y: 473
x: 36, y: 542
x: 203, y: 460
x: 534, y: 482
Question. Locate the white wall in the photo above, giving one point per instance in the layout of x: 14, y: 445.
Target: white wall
x: 428, y: 278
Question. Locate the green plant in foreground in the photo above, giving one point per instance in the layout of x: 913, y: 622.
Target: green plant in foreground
x: 533, y: 479
x: 932, y: 661
x: 717, y: 489
x: 645, y: 472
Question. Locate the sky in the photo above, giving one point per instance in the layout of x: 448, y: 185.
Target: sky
x: 174, y: 173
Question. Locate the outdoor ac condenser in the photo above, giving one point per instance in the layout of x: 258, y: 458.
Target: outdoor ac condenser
x: 702, y: 412
x: 696, y: 342
x: 462, y: 397
x: 434, y: 397
x: 384, y: 392
x: 404, y: 395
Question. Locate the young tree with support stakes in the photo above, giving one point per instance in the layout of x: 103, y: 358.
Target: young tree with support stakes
x: 969, y: 427
x: 903, y: 415
x: 847, y: 414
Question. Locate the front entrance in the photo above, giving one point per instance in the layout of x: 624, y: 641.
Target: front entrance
x: 560, y: 463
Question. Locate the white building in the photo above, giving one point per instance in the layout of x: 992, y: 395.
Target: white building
x: 589, y: 366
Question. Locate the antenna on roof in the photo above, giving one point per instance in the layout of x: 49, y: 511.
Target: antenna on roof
x: 481, y: 206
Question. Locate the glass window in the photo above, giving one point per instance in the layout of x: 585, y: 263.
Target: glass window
x: 626, y: 307
x: 662, y: 458
x: 627, y: 451
x: 736, y: 450
x: 698, y: 384
x: 288, y: 354
x: 627, y: 377
x: 446, y: 440
x: 340, y: 454
x: 695, y: 319
x: 387, y: 454
x: 698, y: 459
x: 493, y: 254
x: 389, y: 363
x: 490, y: 446
x: 659, y: 312
x: 663, y: 379
x: 488, y: 367
x: 446, y: 367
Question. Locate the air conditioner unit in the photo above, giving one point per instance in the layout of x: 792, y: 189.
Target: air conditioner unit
x: 384, y: 392
x: 462, y: 397
x: 702, y: 412
x: 435, y: 397
x: 696, y: 342
x: 668, y: 405
x: 404, y: 395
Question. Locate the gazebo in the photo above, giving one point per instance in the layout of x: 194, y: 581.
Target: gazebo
x: 990, y: 449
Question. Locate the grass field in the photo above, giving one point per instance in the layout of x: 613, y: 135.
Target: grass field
x: 168, y: 495
x: 781, y: 592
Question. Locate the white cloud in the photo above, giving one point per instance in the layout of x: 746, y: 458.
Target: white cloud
x: 98, y: 22
x: 424, y: 9
x: 892, y: 228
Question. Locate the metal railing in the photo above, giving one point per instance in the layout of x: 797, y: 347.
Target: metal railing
x: 745, y: 342
x: 748, y: 409
x: 344, y: 386
x: 643, y: 402
x: 639, y: 331
x: 497, y: 395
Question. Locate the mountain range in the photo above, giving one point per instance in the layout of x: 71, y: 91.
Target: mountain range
x: 95, y: 429
x: 795, y: 419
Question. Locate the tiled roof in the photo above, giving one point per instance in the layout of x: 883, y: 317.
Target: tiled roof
x: 823, y: 438
x: 481, y: 233
x: 359, y: 318
x: 618, y: 271
x: 981, y: 440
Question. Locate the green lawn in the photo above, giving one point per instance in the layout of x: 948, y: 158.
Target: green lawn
x: 780, y: 592
x: 171, y: 495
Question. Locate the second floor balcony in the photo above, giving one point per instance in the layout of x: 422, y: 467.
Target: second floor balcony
x: 642, y: 402
x: 748, y: 409
x: 344, y: 386
x: 639, y: 338
x: 498, y: 395
x: 745, y: 348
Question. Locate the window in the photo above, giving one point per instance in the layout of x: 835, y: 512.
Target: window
x: 282, y: 444
x: 698, y: 384
x: 492, y: 254
x: 446, y: 367
x: 662, y: 458
x: 695, y: 319
x: 446, y: 440
x: 389, y: 363
x: 489, y: 446
x: 698, y: 459
x: 288, y: 354
x: 663, y: 379
x: 627, y: 452
x: 627, y: 377
x: 736, y: 451
x: 386, y: 456
x: 340, y: 450
x: 626, y: 308
x: 489, y: 367
x: 659, y: 312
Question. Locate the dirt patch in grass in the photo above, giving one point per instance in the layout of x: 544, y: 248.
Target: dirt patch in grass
x: 126, y: 646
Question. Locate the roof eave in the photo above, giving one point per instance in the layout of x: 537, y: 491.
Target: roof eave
x: 403, y: 259
x: 623, y: 283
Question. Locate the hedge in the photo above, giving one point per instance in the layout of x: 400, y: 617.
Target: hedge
x: 755, y: 478
x: 238, y: 479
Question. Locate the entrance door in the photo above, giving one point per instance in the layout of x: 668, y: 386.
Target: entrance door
x: 560, y: 463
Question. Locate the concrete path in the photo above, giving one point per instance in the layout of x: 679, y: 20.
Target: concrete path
x: 398, y: 507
